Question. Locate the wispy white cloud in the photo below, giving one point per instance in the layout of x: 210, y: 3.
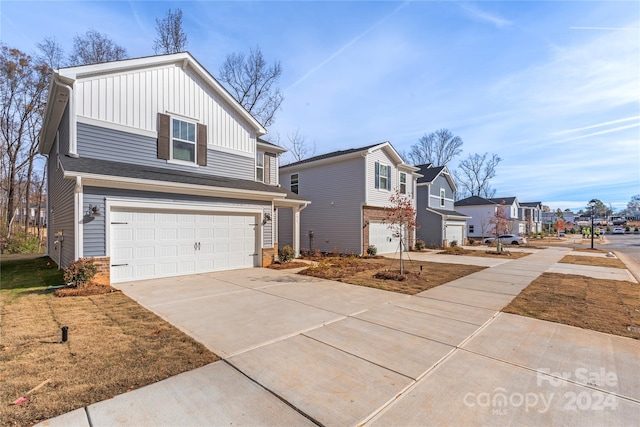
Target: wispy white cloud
x: 475, y: 13
x: 597, y: 125
x: 602, y: 132
x: 606, y: 28
x: 347, y: 46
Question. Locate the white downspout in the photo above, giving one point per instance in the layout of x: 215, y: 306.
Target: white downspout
x: 73, y: 141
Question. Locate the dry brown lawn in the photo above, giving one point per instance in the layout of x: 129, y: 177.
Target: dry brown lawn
x: 489, y: 253
x: 608, y: 306
x: 114, y: 346
x: 594, y: 261
x: 361, y: 271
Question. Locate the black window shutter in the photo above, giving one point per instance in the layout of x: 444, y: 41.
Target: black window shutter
x: 377, y: 175
x: 163, y: 136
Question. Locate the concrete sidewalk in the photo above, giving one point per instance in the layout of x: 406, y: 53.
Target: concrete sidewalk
x: 307, y: 351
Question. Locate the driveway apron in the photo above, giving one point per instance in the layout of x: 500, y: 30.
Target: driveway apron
x: 315, y: 351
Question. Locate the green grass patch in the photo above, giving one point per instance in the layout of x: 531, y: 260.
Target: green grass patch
x: 28, y: 272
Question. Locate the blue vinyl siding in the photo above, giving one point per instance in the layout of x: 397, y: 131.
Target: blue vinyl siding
x: 114, y: 145
x: 60, y: 216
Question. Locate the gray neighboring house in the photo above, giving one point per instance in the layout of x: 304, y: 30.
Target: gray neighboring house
x: 440, y: 224
x: 155, y: 170
x: 349, y: 192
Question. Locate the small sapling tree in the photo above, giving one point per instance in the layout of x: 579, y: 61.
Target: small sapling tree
x: 400, y: 218
x: 500, y: 223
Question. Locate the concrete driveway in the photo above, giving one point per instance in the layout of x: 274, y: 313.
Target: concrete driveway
x: 299, y: 350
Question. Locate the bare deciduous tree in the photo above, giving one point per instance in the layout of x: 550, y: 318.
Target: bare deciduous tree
x: 298, y: 147
x: 93, y: 47
x: 51, y: 52
x: 438, y: 148
x: 474, y: 174
x: 253, y: 83
x: 170, y: 38
x: 23, y: 88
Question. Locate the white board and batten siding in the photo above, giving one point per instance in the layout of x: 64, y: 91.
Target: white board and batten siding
x: 147, y: 244
x: 132, y: 99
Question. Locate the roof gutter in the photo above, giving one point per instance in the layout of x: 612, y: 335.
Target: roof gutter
x: 98, y: 180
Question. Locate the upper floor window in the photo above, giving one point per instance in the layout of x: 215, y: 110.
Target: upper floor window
x: 183, y: 143
x: 442, y: 196
x: 403, y: 183
x: 260, y: 167
x: 294, y: 183
x: 383, y: 176
x: 180, y: 140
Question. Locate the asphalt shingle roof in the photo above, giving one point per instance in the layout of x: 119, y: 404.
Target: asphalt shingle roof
x: 428, y: 172
x: 127, y: 170
x: 445, y: 212
x: 479, y: 201
x: 330, y: 155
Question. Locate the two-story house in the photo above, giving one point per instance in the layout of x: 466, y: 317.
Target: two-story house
x: 481, y: 211
x: 155, y: 170
x: 531, y: 214
x: 439, y: 223
x: 349, y: 192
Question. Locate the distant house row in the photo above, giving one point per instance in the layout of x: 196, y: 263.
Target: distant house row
x: 349, y: 191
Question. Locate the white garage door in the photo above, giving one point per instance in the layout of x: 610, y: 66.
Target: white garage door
x: 454, y: 233
x: 148, y: 244
x: 382, y: 238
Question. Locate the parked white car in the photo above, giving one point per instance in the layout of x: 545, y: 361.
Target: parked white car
x: 618, y: 230
x: 508, y: 239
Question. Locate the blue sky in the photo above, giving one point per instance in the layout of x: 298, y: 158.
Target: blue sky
x: 552, y: 87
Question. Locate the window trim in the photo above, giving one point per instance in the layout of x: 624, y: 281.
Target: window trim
x: 443, y: 195
x: 258, y: 166
x: 297, y: 183
x: 378, y: 176
x: 174, y: 138
x: 403, y: 175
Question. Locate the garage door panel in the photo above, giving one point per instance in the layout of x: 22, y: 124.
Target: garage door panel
x: 148, y: 244
x: 166, y: 251
x: 168, y: 234
x: 145, y: 252
x: 145, y: 234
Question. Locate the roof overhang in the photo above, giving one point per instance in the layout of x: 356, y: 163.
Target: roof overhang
x: 267, y: 146
x: 457, y: 215
x: 110, y: 181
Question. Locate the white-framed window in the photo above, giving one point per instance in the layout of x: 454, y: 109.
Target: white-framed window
x: 383, y: 176
x: 442, y: 196
x: 403, y: 183
x: 471, y: 228
x: 294, y: 183
x: 260, y: 166
x: 183, y: 141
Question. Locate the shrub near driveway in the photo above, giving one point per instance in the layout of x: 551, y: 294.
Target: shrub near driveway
x: 114, y: 346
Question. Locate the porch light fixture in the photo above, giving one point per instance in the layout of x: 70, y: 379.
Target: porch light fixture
x: 93, y: 211
x: 267, y: 218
